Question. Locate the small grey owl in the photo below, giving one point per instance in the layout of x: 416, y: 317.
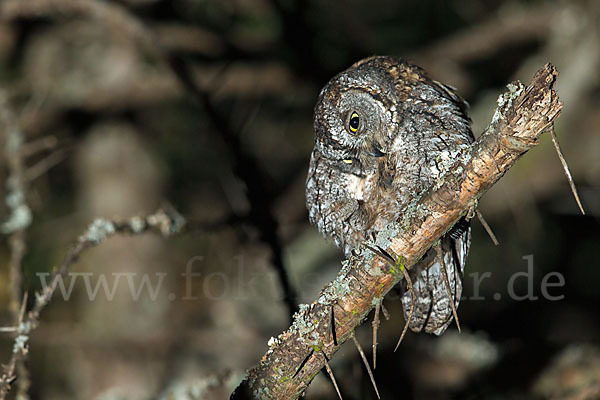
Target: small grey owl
x: 384, y: 132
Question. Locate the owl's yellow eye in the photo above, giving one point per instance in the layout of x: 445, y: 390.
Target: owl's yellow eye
x: 354, y: 122
x: 347, y: 161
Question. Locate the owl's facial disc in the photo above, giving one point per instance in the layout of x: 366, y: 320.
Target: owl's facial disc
x: 364, y: 126
x: 353, y: 126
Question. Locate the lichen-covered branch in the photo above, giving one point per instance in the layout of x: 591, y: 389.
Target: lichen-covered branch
x: 162, y: 222
x: 294, y: 358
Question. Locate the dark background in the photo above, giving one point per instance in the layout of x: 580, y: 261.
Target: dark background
x: 206, y: 105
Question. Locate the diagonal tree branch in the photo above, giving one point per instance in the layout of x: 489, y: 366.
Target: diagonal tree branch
x: 523, y: 114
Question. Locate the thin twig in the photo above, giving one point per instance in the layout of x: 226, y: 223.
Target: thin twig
x: 167, y: 224
x: 385, y: 312
x: 566, y: 169
x: 45, y: 164
x: 375, y: 325
x: 364, y: 358
x: 330, y: 372
x: 486, y: 227
x: 19, y: 352
x: 395, y: 261
x: 38, y: 145
x: 18, y: 248
x: 23, y: 306
x: 100, y: 230
x: 24, y: 381
x: 413, y: 298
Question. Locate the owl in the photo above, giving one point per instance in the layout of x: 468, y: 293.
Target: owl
x: 384, y: 132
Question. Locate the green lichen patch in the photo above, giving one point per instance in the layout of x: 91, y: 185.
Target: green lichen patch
x: 505, y: 100
x: 401, y: 263
x: 337, y: 289
x: 389, y: 232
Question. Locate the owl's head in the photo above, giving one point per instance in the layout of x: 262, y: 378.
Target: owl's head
x: 356, y: 110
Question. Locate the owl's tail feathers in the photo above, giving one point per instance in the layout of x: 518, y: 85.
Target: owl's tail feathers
x: 437, y: 283
x: 440, y: 255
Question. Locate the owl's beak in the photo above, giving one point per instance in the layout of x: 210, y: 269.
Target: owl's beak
x: 376, y: 150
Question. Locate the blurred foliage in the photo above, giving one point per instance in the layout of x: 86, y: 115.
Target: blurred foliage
x: 124, y: 134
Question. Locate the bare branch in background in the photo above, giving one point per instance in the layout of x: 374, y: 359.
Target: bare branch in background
x: 45, y: 164
x: 19, y: 353
x: 492, y: 34
x: 245, y: 166
x: 16, y: 224
x: 38, y: 145
x: 162, y: 222
x: 523, y: 114
x: 109, y: 13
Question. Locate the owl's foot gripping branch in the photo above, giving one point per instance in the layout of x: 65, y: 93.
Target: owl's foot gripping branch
x: 297, y: 355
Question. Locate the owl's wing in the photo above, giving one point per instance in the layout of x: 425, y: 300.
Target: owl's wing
x: 433, y: 310
x: 450, y: 92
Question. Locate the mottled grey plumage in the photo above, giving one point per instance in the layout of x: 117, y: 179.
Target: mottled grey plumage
x: 385, y: 133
